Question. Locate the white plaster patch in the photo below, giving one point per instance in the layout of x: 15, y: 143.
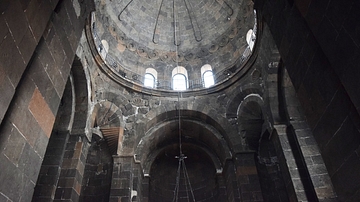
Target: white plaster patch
x: 77, y: 7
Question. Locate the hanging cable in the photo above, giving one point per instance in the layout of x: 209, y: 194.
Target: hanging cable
x: 181, y: 157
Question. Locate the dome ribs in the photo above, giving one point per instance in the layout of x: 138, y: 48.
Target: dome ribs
x: 124, y: 8
x: 195, y: 25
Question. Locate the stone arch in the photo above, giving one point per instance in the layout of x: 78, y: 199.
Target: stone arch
x: 194, y: 131
x: 200, y: 140
x: 246, y: 109
x: 238, y: 97
x: 81, y: 98
x: 107, y: 123
x: 208, y: 116
x: 106, y: 141
x: 251, y: 119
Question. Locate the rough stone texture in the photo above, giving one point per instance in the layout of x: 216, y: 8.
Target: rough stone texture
x: 319, y: 52
x: 122, y: 179
x: 72, y: 169
x: 98, y: 173
x: 230, y: 123
x: 27, y: 122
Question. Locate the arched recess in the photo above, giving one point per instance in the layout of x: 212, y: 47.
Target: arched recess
x: 251, y: 120
x: 67, y: 142
x: 211, y: 118
x: 206, y: 152
x: 238, y: 97
x: 107, y: 135
x: 82, y: 98
x: 193, y: 131
x: 108, y: 125
x: 254, y: 131
x: 202, y: 175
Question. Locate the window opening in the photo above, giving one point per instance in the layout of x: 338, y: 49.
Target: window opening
x: 179, y: 82
x: 149, y: 80
x: 208, y: 78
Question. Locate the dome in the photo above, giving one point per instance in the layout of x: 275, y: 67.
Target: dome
x: 165, y: 38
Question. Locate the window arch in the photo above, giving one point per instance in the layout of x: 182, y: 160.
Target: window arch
x: 150, y: 77
x: 179, y: 78
x: 207, y: 76
x: 149, y: 80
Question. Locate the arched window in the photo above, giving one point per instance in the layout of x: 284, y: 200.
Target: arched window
x: 207, y: 76
x: 179, y: 82
x: 179, y: 78
x: 208, y: 79
x: 150, y: 78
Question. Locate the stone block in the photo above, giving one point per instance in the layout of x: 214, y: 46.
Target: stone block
x: 326, y: 32
x: 44, y: 191
x: 11, y: 59
x: 351, y: 24
x: 63, y: 193
x: 55, y: 47
x: 38, y: 74
x: 54, y: 3
x: 303, y: 6
x: 4, y: 5
x: 52, y: 161
x: 317, y: 169
x: 4, y: 30
x: 19, y: 181
x: 30, y: 163
x: 350, y: 83
x: 336, y: 12
x: 341, y: 146
x: 310, y: 150
x: 16, y: 20
x: 345, y: 180
x: 30, y: 7
x: 119, y: 192
x: 40, y: 19
x: 316, y: 13
x: 27, y: 45
x: 47, y: 180
x: 41, y: 112
x: 14, y: 144
x: 7, y: 92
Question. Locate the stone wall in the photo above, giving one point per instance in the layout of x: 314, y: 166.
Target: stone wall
x: 40, y: 39
x: 318, y: 45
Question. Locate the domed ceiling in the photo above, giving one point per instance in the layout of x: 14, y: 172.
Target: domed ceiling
x: 134, y: 35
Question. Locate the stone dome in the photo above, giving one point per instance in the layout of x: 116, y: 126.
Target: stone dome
x: 136, y: 37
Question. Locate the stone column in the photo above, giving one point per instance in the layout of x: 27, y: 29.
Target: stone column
x: 232, y: 189
x: 145, y: 187
x: 50, y: 170
x: 247, y: 177
x: 121, y: 185
x: 72, y: 169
